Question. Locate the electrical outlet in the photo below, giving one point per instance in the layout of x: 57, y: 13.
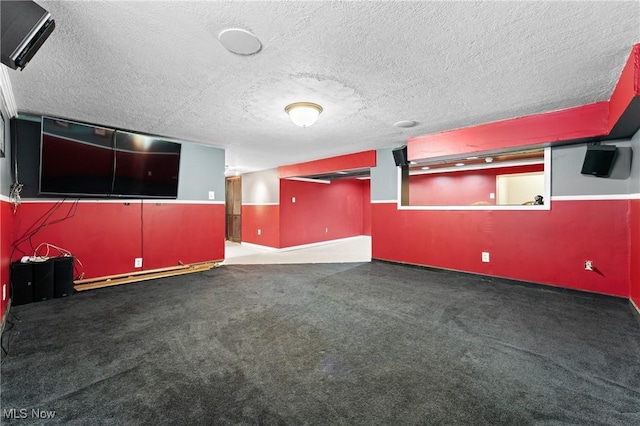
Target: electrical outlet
x: 485, y: 256
x: 212, y: 195
x: 137, y: 263
x: 259, y: 231
x: 293, y: 199
x: 492, y: 195
x: 588, y: 265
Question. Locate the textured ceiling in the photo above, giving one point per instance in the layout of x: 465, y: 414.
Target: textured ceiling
x: 158, y: 67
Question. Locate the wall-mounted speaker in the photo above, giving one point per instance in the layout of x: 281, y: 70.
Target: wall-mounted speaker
x: 400, y: 156
x: 24, y: 28
x: 599, y: 159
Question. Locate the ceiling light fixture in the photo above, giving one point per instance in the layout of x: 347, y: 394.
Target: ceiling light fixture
x: 303, y: 114
x: 459, y: 164
x: 425, y: 168
x: 488, y: 159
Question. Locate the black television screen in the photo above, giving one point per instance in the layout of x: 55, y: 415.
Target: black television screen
x: 598, y: 160
x: 83, y: 160
x: 145, y: 166
x: 75, y: 159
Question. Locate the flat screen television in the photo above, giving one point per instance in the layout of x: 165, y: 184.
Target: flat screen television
x: 598, y: 160
x: 145, y: 166
x: 75, y: 159
x: 90, y: 161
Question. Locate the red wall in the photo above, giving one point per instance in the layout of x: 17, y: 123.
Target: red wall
x: 6, y: 237
x: 107, y: 236
x: 322, y: 212
x: 460, y: 188
x: 366, y: 207
x: 546, y: 246
x: 634, y: 232
x: 187, y: 233
x: 266, y: 218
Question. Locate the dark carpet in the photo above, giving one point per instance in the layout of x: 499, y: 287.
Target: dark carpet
x: 329, y: 344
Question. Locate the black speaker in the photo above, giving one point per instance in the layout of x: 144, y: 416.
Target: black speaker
x: 21, y: 283
x: 400, y: 156
x: 62, y: 276
x: 25, y: 27
x: 599, y: 160
x: 42, y: 280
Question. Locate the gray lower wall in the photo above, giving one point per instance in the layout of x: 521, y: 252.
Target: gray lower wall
x: 384, y: 177
x: 261, y: 187
x: 201, y: 166
x: 566, y: 163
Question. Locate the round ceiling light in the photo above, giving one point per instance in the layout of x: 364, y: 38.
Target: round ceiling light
x: 303, y: 114
x: 405, y: 123
x: 239, y: 41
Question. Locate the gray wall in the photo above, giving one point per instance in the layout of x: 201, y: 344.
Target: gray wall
x: 384, y: 177
x: 261, y: 187
x: 5, y: 162
x: 566, y: 163
x: 201, y: 171
x: 201, y: 166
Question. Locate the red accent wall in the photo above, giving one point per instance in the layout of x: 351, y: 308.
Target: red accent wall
x: 6, y: 237
x: 546, y: 128
x: 366, y: 207
x: 634, y: 231
x: 546, y: 247
x: 359, y: 160
x: 106, y: 236
x: 187, y: 233
x: 460, y: 188
x: 336, y: 207
x: 266, y: 218
x: 627, y: 87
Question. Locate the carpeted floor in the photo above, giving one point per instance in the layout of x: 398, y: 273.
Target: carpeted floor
x: 328, y: 344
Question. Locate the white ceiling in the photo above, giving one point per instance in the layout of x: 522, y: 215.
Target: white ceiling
x: 157, y: 67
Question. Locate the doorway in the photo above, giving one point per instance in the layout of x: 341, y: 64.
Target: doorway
x: 233, y: 204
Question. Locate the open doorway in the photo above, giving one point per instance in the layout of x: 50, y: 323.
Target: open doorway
x: 233, y: 203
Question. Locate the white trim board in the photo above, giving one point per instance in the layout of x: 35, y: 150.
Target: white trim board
x: 260, y: 204
x: 118, y: 201
x: 5, y: 198
x: 384, y: 201
x: 593, y: 197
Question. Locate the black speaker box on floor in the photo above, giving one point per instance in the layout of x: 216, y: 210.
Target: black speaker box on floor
x: 400, y: 156
x: 21, y: 283
x: 42, y: 280
x: 62, y: 276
